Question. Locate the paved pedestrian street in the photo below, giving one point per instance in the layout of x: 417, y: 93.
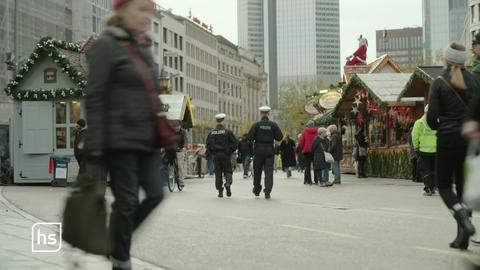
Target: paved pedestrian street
x: 361, y: 224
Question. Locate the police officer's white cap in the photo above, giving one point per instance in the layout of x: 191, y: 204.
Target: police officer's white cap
x: 265, y: 109
x: 220, y: 116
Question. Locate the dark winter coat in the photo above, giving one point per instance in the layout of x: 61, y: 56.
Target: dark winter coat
x: 300, y: 156
x: 182, y: 141
x: 446, y: 112
x: 320, y: 145
x: 336, y: 146
x: 119, y: 114
x: 245, y: 148
x: 287, y: 152
x: 360, y: 141
x: 79, y: 144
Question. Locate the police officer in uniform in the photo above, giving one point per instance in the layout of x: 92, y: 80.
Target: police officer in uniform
x: 263, y: 134
x: 222, y: 143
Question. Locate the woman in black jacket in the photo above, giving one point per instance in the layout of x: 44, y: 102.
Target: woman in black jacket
x: 322, y: 169
x: 450, y: 95
x: 121, y: 116
x: 336, y: 149
x: 287, y: 153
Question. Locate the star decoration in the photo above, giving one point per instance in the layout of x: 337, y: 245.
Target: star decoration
x: 357, y: 101
x: 355, y: 110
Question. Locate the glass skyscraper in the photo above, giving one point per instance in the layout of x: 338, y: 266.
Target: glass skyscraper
x: 304, y: 35
x: 443, y: 22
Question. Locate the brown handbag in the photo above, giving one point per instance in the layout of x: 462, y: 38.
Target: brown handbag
x: 166, y: 135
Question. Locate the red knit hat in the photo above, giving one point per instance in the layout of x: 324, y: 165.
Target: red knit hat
x: 119, y: 3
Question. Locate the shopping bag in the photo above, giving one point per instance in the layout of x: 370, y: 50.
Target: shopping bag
x: 471, y: 195
x: 85, y: 215
x: 329, y: 158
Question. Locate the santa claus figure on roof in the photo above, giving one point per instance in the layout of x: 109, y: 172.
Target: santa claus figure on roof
x: 359, y: 57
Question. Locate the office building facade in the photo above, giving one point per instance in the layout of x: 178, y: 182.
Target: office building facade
x: 404, y: 45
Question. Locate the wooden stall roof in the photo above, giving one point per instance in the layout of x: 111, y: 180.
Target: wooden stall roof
x: 384, y: 88
x: 419, y: 82
x: 374, y: 67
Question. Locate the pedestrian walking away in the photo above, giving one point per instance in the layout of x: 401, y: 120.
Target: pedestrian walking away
x: 122, y: 107
x: 450, y: 95
x: 300, y: 156
x: 361, y: 151
x: 320, y: 164
x: 306, y: 142
x: 210, y: 162
x: 287, y: 153
x: 181, y: 149
x: 222, y: 143
x: 245, y: 150
x: 336, y: 149
x: 263, y: 134
x: 79, y: 145
x: 424, y: 141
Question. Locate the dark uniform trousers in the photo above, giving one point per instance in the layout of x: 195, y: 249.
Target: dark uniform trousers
x: 427, y: 170
x: 265, y: 163
x: 223, y: 167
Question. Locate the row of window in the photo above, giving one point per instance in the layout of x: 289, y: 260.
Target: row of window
x: 201, y: 55
x: 175, y: 62
x: 196, y: 92
x: 232, y: 70
x: 400, y: 42
x: 229, y: 89
x: 230, y: 108
x: 201, y: 74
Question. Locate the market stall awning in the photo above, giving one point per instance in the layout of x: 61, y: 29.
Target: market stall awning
x: 383, y: 88
x: 179, y: 108
x: 419, y: 83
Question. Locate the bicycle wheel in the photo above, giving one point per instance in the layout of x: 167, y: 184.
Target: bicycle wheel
x: 180, y: 188
x: 171, y: 177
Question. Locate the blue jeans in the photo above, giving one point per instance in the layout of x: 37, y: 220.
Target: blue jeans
x: 324, y: 176
x: 246, y: 164
x: 211, y: 166
x: 336, y: 171
x: 130, y: 170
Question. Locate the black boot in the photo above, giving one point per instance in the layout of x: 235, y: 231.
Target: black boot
x: 229, y: 191
x: 220, y: 194
x: 462, y: 215
x: 462, y: 240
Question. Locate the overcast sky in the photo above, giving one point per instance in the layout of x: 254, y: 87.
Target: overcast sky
x: 356, y: 17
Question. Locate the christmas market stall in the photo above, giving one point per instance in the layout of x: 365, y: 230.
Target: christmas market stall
x: 46, y: 93
x: 371, y: 101
x: 418, y: 86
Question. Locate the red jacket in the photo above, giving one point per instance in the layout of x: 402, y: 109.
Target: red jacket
x: 306, y: 140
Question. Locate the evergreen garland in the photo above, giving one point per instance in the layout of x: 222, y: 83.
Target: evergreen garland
x: 50, y: 94
x: 49, y: 47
